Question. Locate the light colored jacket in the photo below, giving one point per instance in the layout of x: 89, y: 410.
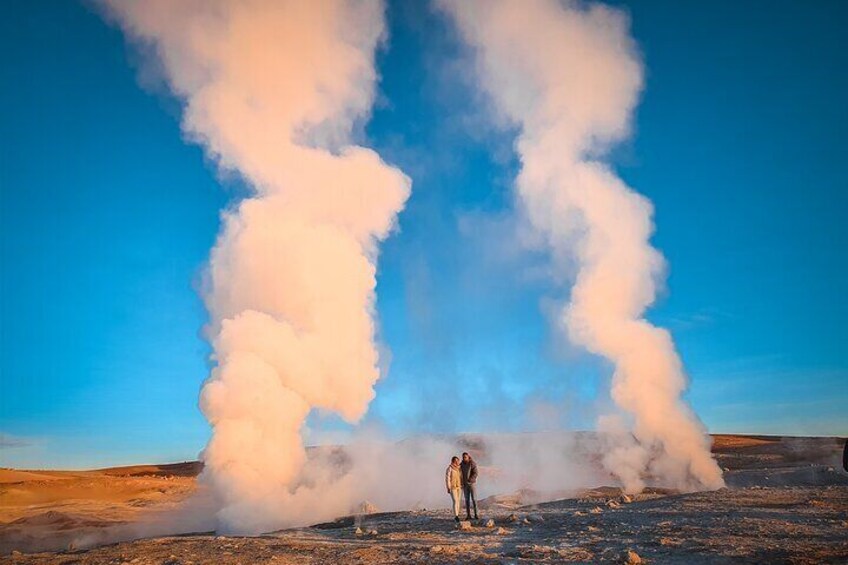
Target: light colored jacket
x: 453, y: 478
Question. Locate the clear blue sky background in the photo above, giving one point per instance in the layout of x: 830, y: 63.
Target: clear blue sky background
x: 108, y: 216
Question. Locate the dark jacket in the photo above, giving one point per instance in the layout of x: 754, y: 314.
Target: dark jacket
x: 845, y: 457
x: 469, y: 472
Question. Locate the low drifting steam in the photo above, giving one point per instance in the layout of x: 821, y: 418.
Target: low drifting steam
x: 567, y: 74
x: 274, y: 89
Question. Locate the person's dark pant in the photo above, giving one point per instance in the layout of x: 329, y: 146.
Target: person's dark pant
x: 470, y: 498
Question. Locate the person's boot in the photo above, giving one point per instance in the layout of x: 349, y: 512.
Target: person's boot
x: 468, y: 517
x: 476, y: 517
x: 456, y: 518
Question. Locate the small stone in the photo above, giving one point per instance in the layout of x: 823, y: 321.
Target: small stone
x: 436, y: 549
x: 613, y: 504
x: 372, y: 532
x: 631, y: 557
x: 490, y: 523
x: 595, y: 510
x: 15, y: 552
x: 535, y: 518
x: 502, y: 531
x: 626, y: 499
x: 359, y: 531
x: 512, y: 518
x: 525, y: 521
x: 463, y: 525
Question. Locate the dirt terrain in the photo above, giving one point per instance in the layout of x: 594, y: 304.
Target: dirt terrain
x: 46, y: 510
x: 786, y: 502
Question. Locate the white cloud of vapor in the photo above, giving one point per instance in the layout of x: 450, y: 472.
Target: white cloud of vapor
x: 274, y: 90
x: 568, y: 75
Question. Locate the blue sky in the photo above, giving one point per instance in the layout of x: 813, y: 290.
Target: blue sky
x: 108, y: 214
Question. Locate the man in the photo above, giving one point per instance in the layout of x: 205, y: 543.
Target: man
x: 845, y: 456
x: 453, y: 482
x: 469, y: 481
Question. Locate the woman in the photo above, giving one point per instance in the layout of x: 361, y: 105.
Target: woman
x: 453, y: 482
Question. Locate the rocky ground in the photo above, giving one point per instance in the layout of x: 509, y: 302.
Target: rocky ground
x: 787, y: 502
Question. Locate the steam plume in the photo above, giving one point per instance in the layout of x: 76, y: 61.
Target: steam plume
x: 274, y: 89
x: 568, y: 75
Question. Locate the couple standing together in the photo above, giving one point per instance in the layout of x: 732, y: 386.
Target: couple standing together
x: 461, y: 478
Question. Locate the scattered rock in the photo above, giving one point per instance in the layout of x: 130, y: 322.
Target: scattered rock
x: 592, y: 529
x: 512, y: 518
x: 15, y: 553
x: 463, y: 525
x: 525, y: 521
x: 579, y: 513
x: 436, y: 549
x: 626, y: 499
x: 359, y: 531
x: 502, y: 531
x: 535, y: 518
x: 372, y: 532
x: 631, y: 557
x: 595, y: 510
x: 572, y: 554
x: 537, y: 551
x: 490, y: 523
x: 613, y: 504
